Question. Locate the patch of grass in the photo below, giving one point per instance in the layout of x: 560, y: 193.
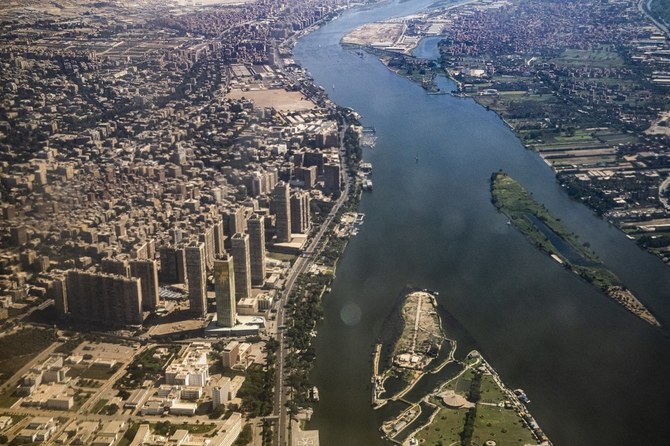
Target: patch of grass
x: 98, y: 373
x: 68, y: 346
x: 147, y: 365
x: 167, y: 428
x: 99, y: 405
x: 446, y: 428
x: 129, y: 435
x: 601, y: 58
x: 79, y: 399
x: 7, y: 399
x: 17, y: 349
x: 504, y: 426
x: 490, y: 391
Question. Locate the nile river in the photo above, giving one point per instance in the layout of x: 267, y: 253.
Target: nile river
x: 595, y: 373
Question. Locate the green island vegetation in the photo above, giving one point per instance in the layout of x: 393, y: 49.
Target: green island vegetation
x: 417, y: 70
x: 489, y: 417
x: 402, y: 338
x: 545, y: 231
x: 515, y: 202
x: 470, y: 405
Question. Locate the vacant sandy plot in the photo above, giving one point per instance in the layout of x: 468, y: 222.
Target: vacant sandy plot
x: 105, y: 352
x: 661, y: 126
x: 422, y: 325
x: 278, y: 99
x: 375, y: 34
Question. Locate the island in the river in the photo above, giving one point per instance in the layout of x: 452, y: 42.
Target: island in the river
x: 469, y: 405
x: 550, y: 235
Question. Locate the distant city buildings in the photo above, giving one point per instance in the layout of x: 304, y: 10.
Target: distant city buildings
x: 150, y: 197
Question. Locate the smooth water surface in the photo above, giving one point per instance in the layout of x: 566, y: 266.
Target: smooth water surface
x: 596, y: 374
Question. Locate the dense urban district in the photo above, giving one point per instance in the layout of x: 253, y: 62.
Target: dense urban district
x: 175, y: 192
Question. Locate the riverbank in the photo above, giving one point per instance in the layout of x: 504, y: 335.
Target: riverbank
x: 547, y: 233
x: 558, y: 342
x: 587, y: 112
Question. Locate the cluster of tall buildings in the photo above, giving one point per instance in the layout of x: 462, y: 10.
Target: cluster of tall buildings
x: 97, y: 213
x: 122, y: 289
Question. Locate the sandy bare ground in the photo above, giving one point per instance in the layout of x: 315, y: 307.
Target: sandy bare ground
x: 278, y: 99
x: 660, y: 126
x: 422, y: 325
x: 375, y: 34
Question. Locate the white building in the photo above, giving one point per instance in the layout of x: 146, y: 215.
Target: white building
x: 191, y: 369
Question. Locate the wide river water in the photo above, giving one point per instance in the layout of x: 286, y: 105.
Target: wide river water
x: 596, y: 374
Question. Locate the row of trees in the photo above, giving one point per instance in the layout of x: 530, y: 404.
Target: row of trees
x: 474, y: 395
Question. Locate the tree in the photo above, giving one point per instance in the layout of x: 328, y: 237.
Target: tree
x: 245, y: 436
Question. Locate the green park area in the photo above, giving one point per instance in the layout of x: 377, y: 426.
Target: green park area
x: 147, y: 365
x: 597, y: 58
x: 17, y: 349
x: 487, y: 420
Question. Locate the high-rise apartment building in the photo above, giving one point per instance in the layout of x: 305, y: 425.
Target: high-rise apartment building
x: 332, y: 179
x: 196, y: 273
x: 147, y: 272
x: 256, y: 225
x: 300, y: 219
x: 119, y: 267
x: 105, y: 298
x: 224, y: 287
x: 242, y: 265
x: 282, y: 209
x: 173, y: 265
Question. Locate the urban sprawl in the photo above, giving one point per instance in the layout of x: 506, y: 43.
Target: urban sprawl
x: 175, y: 191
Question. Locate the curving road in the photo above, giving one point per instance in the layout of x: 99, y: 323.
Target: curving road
x: 645, y: 8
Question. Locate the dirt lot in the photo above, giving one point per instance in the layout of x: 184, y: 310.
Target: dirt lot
x: 421, y: 324
x: 375, y: 34
x: 278, y: 99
